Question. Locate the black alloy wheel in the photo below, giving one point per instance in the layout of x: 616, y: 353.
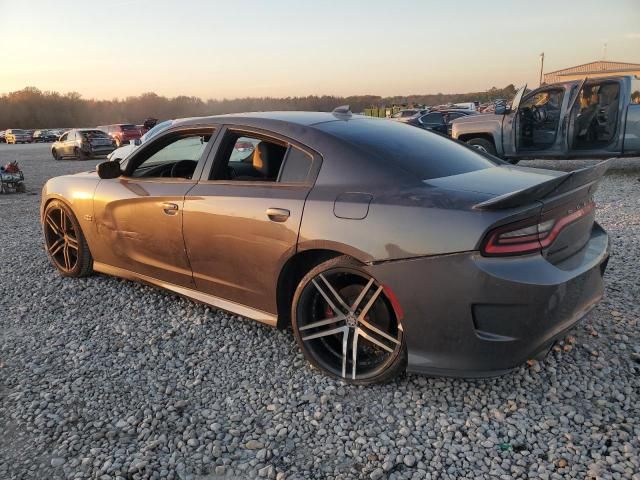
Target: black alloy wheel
x: 345, y: 324
x: 64, y: 241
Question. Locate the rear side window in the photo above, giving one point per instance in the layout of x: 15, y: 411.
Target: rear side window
x: 432, y: 118
x: 296, y: 166
x: 424, y: 154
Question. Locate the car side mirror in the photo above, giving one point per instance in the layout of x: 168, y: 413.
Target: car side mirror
x: 137, y: 142
x: 107, y: 170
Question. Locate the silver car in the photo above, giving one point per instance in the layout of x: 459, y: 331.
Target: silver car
x: 82, y: 143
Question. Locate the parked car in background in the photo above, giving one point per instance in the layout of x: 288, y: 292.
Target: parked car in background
x: 16, y: 135
x: 2, y: 139
x: 595, y: 118
x: 466, y: 105
x: 407, y: 114
x: 123, y: 152
x: 58, y: 132
x: 122, y: 133
x: 82, y: 143
x: 439, y: 120
x: 41, y: 136
x: 413, y: 252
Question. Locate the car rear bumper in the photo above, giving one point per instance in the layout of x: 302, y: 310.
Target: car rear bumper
x: 469, y: 315
x: 101, y: 149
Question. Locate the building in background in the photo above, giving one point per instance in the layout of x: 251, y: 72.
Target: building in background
x: 601, y: 68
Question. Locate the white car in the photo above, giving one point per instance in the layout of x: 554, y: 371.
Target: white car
x: 124, y: 151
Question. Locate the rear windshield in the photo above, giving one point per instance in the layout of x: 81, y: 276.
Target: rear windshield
x: 93, y: 133
x: 15, y: 130
x: 128, y: 127
x: 419, y: 152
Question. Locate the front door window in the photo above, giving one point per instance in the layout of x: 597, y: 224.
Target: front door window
x: 176, y: 159
x: 539, y: 119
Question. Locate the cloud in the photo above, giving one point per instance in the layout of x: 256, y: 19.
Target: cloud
x: 632, y: 36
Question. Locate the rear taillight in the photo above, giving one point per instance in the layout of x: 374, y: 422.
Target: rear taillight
x: 530, y: 235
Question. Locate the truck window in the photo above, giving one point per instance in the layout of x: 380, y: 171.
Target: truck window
x: 635, y: 89
x: 596, y: 115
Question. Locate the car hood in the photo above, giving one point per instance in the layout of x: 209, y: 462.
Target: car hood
x: 480, y: 118
x: 495, y: 180
x: 122, y: 152
x: 89, y: 174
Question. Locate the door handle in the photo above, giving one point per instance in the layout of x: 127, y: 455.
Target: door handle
x: 278, y: 214
x: 170, y: 208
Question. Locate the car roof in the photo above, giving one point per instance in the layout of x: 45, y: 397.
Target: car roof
x: 296, y: 117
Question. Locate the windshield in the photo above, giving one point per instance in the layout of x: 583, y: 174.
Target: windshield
x: 414, y: 150
x: 15, y: 130
x: 128, y: 127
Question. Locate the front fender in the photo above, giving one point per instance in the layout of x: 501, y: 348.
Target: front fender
x: 485, y: 125
x: 76, y: 191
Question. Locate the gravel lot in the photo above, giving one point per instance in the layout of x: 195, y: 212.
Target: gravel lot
x: 105, y: 378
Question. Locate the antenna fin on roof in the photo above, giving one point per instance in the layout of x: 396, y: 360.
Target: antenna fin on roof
x: 342, y: 110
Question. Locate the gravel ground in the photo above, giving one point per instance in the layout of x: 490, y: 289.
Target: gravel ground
x: 105, y: 378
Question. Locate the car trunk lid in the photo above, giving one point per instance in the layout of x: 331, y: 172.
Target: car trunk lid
x: 566, y: 210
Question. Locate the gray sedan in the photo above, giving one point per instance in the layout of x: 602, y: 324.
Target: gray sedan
x: 383, y: 246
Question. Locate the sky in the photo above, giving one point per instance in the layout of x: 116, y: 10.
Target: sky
x: 238, y: 48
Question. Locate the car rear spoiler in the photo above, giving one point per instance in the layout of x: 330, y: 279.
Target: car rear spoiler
x: 549, y: 188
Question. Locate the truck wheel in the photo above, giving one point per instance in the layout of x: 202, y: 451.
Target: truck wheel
x: 483, y: 145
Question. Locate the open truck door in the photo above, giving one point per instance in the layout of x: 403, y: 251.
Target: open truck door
x: 509, y: 123
x: 567, y: 129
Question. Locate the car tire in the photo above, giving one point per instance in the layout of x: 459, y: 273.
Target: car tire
x: 55, y: 154
x: 65, y: 243
x: 483, y: 145
x: 372, y: 317
x: 79, y: 154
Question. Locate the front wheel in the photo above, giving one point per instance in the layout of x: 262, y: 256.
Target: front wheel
x: 56, y: 155
x: 64, y: 241
x: 483, y: 145
x: 345, y: 324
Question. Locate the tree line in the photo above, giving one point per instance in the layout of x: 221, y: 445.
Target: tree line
x: 33, y: 108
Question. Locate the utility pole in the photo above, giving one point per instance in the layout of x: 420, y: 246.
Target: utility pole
x: 541, y: 67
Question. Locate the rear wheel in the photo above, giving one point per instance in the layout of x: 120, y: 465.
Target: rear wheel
x: 345, y: 324
x: 483, y: 145
x: 79, y: 154
x: 64, y: 241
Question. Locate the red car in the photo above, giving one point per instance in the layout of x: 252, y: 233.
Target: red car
x: 122, y: 133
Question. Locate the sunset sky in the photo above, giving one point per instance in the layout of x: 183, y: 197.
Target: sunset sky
x: 217, y: 49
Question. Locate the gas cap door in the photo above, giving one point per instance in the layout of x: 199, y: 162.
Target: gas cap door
x: 352, y: 205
